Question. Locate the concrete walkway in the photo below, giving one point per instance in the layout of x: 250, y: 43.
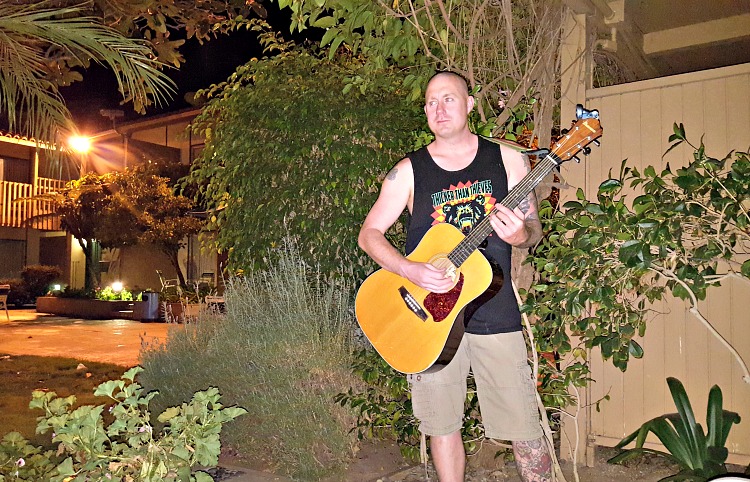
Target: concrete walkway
x: 109, y: 341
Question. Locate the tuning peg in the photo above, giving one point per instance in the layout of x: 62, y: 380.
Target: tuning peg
x: 586, y: 151
x: 596, y: 141
x: 583, y: 113
x: 564, y: 131
x: 576, y: 159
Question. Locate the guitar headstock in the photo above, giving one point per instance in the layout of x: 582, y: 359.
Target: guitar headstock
x: 585, y: 130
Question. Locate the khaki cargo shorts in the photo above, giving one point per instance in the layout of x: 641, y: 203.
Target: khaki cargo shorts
x: 506, y: 391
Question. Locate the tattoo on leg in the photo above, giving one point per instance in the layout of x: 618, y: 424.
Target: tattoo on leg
x: 533, y: 460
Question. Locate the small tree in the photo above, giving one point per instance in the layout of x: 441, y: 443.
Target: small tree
x: 159, y: 216
x: 120, y: 209
x: 79, y: 205
x: 41, y: 45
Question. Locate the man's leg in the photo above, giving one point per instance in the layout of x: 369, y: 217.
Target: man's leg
x: 448, y: 456
x: 533, y: 460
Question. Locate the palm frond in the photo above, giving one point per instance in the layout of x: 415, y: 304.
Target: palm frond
x: 31, y: 101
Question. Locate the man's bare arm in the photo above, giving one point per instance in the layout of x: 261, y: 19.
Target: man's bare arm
x: 530, y: 208
x: 394, y: 197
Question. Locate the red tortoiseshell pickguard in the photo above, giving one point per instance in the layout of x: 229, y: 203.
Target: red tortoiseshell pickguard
x: 439, y: 305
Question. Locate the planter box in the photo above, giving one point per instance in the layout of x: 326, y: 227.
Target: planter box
x: 177, y: 312
x: 85, y: 308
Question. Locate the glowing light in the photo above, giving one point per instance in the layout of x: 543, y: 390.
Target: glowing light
x: 56, y: 287
x: 80, y: 143
x: 117, y: 286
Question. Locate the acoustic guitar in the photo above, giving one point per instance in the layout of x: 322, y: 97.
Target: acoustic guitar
x: 415, y: 330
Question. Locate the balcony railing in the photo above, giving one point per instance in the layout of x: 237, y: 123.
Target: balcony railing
x: 34, y: 213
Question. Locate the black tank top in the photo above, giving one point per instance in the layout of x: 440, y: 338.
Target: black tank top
x: 463, y: 198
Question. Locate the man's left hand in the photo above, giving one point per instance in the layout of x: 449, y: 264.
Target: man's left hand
x: 510, y: 225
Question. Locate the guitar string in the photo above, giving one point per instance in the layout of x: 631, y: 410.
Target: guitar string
x: 480, y: 232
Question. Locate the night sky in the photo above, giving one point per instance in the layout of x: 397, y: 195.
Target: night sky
x: 204, y: 65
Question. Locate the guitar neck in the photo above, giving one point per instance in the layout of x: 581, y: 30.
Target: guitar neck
x: 479, y: 233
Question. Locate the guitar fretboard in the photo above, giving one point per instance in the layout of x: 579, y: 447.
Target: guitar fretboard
x: 479, y: 233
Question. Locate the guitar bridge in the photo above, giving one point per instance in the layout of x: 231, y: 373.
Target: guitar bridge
x: 412, y: 304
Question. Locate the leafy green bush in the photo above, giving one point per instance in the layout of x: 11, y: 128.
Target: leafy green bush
x: 127, y: 446
x: 108, y: 294
x: 35, y: 281
x: 38, y: 278
x: 282, y: 349
x: 603, y: 263
x: 701, y: 455
x: 287, y: 151
x: 18, y: 294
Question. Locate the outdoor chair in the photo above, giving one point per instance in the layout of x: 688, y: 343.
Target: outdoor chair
x: 167, y: 284
x: 215, y: 303
x: 4, y: 290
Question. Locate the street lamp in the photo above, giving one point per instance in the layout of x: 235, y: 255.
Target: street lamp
x: 81, y: 145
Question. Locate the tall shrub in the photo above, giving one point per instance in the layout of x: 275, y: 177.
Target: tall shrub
x: 604, y: 262
x: 287, y: 150
x: 283, y: 351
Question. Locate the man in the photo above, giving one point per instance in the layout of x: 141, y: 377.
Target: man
x: 431, y: 183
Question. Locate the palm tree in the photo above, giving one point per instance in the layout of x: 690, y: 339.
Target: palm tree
x: 34, y: 38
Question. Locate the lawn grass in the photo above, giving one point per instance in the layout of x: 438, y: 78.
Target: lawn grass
x: 20, y: 375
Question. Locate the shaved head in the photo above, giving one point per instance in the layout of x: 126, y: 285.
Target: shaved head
x: 448, y: 74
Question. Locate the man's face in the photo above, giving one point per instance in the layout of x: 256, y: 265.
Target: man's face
x: 447, y: 105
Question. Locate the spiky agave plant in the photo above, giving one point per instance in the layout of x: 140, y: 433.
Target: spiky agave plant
x: 700, y: 455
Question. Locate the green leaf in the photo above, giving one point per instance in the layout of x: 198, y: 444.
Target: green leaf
x: 324, y: 22
x: 679, y: 132
x: 648, y: 223
x: 635, y: 350
x: 610, y: 186
x: 328, y: 36
x: 745, y: 269
x: 203, y: 477
x: 680, y: 448
x: 169, y: 414
x: 334, y: 46
x: 132, y: 373
x: 685, y: 423
x: 65, y: 469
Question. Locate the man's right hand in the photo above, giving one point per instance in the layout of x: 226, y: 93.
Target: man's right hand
x: 427, y: 276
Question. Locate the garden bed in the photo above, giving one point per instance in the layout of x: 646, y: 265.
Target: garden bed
x: 87, y: 308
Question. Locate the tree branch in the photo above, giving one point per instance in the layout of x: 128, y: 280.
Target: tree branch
x: 695, y: 312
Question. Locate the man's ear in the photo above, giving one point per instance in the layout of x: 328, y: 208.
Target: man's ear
x: 469, y: 104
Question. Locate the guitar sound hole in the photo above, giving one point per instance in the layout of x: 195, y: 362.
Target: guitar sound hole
x: 440, y: 304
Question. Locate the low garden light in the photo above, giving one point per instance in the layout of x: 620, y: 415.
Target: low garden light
x: 117, y: 286
x: 56, y: 287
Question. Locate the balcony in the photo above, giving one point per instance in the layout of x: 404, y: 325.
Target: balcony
x: 17, y: 214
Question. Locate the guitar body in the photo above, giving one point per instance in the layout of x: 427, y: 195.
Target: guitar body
x: 412, y: 338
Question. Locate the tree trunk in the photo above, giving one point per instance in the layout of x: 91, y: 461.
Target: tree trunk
x: 92, y: 272
x: 176, y: 265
